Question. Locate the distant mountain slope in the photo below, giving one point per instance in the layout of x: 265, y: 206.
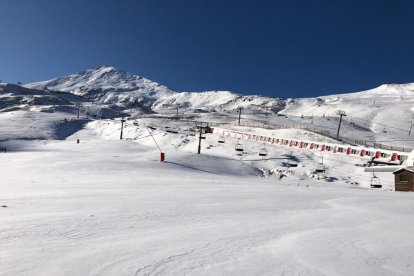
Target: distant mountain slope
x: 217, y: 101
x: 384, y: 114
x: 387, y: 107
x: 104, y: 78
x: 17, y: 97
x: 109, y: 85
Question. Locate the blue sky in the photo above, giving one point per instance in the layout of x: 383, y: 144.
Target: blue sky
x: 274, y: 48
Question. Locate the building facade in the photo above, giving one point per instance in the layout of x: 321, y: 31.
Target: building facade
x: 404, y: 180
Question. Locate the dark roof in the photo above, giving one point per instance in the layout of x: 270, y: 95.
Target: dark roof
x: 409, y: 169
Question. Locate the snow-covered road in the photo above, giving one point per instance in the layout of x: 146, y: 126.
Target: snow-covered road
x: 110, y: 208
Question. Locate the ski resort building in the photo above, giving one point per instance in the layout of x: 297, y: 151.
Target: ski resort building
x: 404, y: 179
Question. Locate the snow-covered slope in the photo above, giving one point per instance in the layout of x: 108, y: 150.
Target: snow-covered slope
x: 386, y: 109
x: 387, y: 94
x: 109, y: 85
x: 109, y: 207
x: 217, y: 101
x: 389, y: 107
x: 106, y: 206
x: 15, y: 97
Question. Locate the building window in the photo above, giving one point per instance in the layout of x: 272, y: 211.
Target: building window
x: 403, y: 178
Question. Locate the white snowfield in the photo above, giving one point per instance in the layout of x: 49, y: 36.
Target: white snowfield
x: 109, y: 207
x: 106, y: 206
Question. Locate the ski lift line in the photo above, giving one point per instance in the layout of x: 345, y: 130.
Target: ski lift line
x: 362, y: 152
x: 146, y: 136
x: 265, y: 139
x: 325, y: 127
x: 153, y: 138
x: 381, y: 124
x: 165, y: 130
x: 396, y: 140
x: 340, y: 162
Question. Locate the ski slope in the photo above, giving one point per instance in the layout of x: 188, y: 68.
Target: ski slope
x: 106, y: 206
x: 109, y: 207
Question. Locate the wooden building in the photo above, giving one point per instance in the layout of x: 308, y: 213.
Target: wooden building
x: 404, y: 179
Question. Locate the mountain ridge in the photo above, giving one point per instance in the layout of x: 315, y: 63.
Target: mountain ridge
x: 109, y: 85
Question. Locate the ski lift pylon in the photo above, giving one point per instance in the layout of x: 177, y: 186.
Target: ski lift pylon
x: 203, y: 134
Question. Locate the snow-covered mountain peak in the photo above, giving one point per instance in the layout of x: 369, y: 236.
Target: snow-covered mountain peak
x: 102, y: 71
x: 103, y: 79
x: 104, y: 68
x: 383, y: 91
x: 110, y: 85
x: 107, y: 84
x: 396, y: 88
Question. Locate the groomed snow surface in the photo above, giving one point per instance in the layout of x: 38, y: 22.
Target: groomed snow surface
x: 109, y: 207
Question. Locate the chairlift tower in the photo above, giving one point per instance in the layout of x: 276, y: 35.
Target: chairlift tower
x: 202, y: 129
x: 79, y: 107
x: 177, y: 105
x: 240, y: 109
x: 122, y: 127
x: 341, y: 113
